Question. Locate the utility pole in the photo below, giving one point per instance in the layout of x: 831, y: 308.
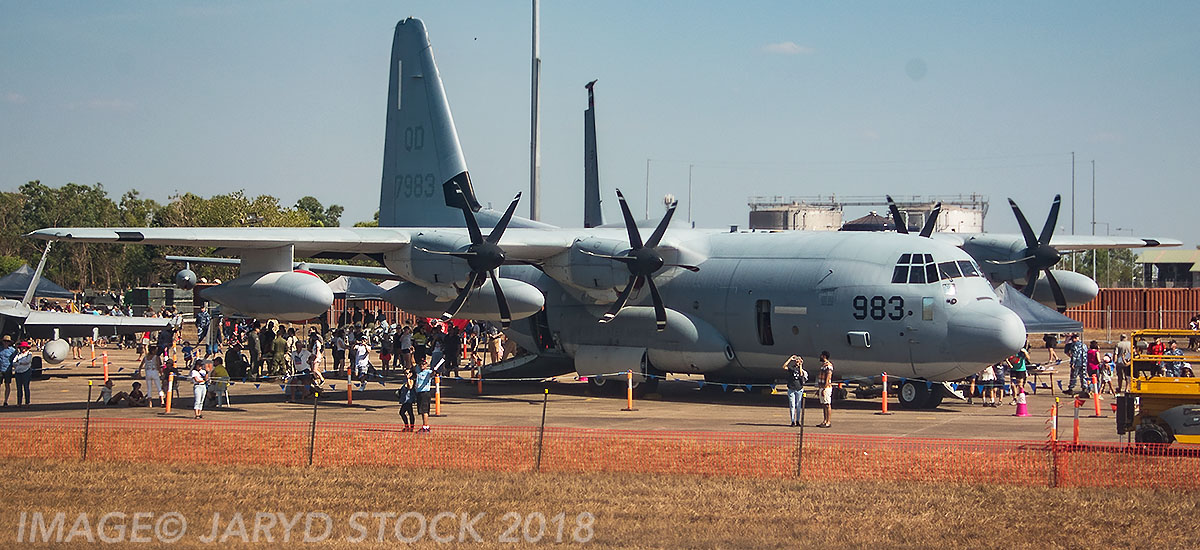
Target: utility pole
x: 1093, y: 216
x: 1072, y: 204
x: 647, y: 189
x: 690, y: 166
x: 535, y: 152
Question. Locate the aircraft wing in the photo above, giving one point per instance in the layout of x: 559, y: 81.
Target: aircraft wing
x: 41, y: 324
x: 1089, y: 242
x: 518, y: 243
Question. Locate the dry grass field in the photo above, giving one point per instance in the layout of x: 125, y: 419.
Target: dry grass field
x: 630, y: 511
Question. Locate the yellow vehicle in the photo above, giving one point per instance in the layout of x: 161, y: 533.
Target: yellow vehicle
x: 1162, y: 406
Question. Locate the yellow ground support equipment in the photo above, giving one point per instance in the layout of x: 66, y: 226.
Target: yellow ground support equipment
x: 1161, y: 409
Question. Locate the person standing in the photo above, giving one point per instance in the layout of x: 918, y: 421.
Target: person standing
x: 987, y: 379
x: 7, y: 352
x: 199, y: 377
x: 795, y: 386
x: 825, y: 389
x: 203, y: 322
x: 1078, y: 355
x: 339, y: 350
x: 424, y: 385
x: 362, y: 358
x: 22, y: 365
x: 1051, y: 340
x: 408, y: 396
x: 1018, y: 370
x: 1173, y: 368
x: 403, y: 347
x: 151, y: 366
x: 1121, y: 356
x: 279, y: 353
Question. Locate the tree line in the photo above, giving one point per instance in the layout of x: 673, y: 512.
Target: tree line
x: 118, y: 266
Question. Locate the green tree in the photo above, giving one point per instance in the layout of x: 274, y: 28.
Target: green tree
x: 372, y: 223
x: 320, y: 216
x: 1114, y: 267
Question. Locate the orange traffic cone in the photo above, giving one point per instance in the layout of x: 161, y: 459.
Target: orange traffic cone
x: 1022, y: 406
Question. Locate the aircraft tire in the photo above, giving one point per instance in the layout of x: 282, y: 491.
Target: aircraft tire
x: 913, y: 394
x: 935, y: 398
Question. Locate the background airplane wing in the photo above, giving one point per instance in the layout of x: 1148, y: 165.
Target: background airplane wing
x: 334, y: 269
x: 519, y: 243
x: 41, y: 324
x: 1089, y: 242
x: 307, y: 240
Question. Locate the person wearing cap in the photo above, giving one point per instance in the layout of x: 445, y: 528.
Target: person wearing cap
x: 1106, y: 374
x: 1017, y: 371
x: 7, y: 351
x: 1078, y: 356
x: 22, y: 364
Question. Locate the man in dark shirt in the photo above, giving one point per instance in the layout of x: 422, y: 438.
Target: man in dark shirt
x: 795, y: 386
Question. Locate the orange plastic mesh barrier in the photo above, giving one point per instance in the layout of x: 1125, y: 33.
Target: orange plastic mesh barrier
x: 516, y: 449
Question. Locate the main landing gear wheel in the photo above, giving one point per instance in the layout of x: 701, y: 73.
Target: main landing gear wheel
x: 913, y: 394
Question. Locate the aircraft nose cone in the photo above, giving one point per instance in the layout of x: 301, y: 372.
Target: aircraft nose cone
x: 985, y: 332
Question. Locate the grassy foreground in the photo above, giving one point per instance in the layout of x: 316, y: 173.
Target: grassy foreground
x: 630, y: 511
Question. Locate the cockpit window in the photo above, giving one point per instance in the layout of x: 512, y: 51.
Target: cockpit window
x: 921, y: 269
x: 968, y: 268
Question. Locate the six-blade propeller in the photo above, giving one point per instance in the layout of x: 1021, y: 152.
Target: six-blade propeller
x: 1038, y: 255
x: 484, y: 256
x: 643, y: 261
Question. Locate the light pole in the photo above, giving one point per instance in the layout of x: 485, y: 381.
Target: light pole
x: 1107, y: 254
x: 690, y: 222
x: 1093, y: 215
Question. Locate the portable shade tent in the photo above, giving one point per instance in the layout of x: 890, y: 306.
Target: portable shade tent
x: 16, y: 283
x: 355, y: 288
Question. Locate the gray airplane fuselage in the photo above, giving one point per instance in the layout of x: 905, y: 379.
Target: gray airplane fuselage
x: 758, y: 298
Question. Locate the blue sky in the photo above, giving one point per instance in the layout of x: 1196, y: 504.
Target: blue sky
x: 763, y: 98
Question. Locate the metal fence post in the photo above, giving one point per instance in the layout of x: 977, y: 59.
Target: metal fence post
x: 312, y: 433
x: 87, y: 419
x: 800, y: 451
x: 537, y: 467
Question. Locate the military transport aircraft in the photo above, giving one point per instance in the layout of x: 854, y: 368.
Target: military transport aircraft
x: 729, y: 305
x: 55, y: 325
x: 1020, y: 260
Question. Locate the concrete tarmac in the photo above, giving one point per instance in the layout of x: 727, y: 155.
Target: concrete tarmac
x: 680, y: 405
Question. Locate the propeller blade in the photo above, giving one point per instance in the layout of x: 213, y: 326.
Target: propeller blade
x: 498, y: 231
x: 897, y: 219
x: 660, y: 311
x: 620, y: 303
x: 463, y: 254
x: 624, y: 259
x: 1031, y: 278
x: 662, y: 226
x: 461, y: 300
x: 1009, y: 262
x: 468, y: 215
x: 691, y: 268
x: 931, y: 221
x: 1051, y: 221
x: 505, y: 314
x: 1059, y: 298
x: 635, y: 238
x: 1026, y: 231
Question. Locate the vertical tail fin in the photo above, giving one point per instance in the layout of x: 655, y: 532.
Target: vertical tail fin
x: 422, y: 158
x: 592, y: 215
x: 37, y: 277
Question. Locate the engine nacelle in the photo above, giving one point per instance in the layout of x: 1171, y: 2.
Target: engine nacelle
x: 523, y: 299
x: 55, y: 351
x: 1077, y: 288
x: 437, y: 272
x: 599, y: 277
x: 688, y: 344
x: 185, y: 279
x: 286, y: 295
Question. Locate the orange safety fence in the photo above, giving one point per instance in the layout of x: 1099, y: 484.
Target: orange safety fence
x: 820, y: 457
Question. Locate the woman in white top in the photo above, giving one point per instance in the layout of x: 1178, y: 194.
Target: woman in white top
x: 199, y: 376
x: 362, y: 358
x: 152, y: 366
